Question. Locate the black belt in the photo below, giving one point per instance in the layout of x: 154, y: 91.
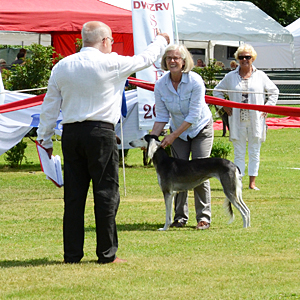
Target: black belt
x: 99, y: 124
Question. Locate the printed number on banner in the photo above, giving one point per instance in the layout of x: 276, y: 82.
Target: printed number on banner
x: 148, y: 109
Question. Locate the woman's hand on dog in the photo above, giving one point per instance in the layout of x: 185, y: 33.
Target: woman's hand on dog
x: 168, y: 140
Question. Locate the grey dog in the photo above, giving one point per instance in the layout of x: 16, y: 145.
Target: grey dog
x: 176, y: 175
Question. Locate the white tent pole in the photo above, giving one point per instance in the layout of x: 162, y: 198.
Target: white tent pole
x: 210, y: 48
x: 175, y: 24
x: 292, y: 47
x: 123, y: 158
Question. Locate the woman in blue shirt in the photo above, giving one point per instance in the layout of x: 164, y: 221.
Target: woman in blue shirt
x: 179, y: 98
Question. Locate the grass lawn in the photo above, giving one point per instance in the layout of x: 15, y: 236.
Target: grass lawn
x: 224, y: 262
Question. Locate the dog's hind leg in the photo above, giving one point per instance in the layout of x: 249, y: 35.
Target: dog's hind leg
x: 168, y: 203
x: 241, y: 203
x: 232, y: 187
x: 244, y: 210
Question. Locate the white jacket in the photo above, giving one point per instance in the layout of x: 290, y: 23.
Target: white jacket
x: 258, y: 82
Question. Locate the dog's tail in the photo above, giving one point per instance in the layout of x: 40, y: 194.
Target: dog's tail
x: 238, y: 195
x: 228, y: 209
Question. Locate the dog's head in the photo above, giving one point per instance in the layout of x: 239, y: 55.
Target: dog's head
x: 149, y: 142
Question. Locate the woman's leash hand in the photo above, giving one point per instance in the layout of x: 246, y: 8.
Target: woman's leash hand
x: 167, y: 141
x: 228, y: 110
x: 264, y: 115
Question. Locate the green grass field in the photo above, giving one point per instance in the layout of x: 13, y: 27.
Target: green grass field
x: 224, y: 262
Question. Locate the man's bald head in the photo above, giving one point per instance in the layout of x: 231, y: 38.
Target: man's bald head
x: 93, y: 33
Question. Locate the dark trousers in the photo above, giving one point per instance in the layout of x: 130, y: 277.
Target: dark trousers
x: 90, y: 153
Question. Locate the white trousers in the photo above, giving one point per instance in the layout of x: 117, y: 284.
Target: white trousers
x: 254, y: 144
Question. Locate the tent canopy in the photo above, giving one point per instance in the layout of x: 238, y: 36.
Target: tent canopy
x: 228, y: 21
x: 280, y: 55
x: 61, y: 15
x: 211, y: 23
x: 294, y: 28
x: 63, y: 19
x: 198, y: 21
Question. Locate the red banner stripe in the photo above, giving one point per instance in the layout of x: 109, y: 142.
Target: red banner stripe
x: 277, y: 110
x: 22, y: 104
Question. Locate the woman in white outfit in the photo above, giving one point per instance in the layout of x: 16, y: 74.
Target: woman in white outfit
x: 247, y: 125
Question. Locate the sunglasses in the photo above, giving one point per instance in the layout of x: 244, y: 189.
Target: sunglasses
x: 247, y: 57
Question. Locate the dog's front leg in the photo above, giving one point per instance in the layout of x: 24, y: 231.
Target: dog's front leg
x: 168, y: 203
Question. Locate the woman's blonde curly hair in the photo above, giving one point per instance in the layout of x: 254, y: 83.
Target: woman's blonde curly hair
x: 245, y: 48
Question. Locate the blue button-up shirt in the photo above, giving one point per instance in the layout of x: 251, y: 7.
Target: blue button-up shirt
x: 186, y: 104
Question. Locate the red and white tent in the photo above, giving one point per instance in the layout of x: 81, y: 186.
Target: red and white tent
x: 63, y: 19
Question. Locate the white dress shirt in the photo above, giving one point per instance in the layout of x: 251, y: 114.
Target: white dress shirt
x: 88, y: 86
x: 258, y: 82
x: 186, y: 104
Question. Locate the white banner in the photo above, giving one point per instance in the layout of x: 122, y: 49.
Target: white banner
x: 147, y: 17
x: 16, y: 124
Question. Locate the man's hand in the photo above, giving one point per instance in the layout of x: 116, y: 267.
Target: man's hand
x: 165, y: 35
x: 49, y: 151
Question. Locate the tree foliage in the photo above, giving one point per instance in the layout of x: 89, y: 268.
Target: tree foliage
x: 284, y: 12
x: 34, y: 73
x: 208, y: 74
x: 15, y: 155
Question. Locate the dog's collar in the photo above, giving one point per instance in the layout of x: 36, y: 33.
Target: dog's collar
x: 147, y: 137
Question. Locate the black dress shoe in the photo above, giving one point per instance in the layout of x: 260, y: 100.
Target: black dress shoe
x: 177, y: 224
x: 71, y: 262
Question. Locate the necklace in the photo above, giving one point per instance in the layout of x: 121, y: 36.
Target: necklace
x: 248, y: 74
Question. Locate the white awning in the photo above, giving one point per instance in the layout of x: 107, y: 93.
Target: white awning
x: 23, y: 38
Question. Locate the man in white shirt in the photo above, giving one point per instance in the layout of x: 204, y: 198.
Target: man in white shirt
x: 87, y: 87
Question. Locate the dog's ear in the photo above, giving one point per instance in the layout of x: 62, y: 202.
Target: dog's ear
x: 153, y: 145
